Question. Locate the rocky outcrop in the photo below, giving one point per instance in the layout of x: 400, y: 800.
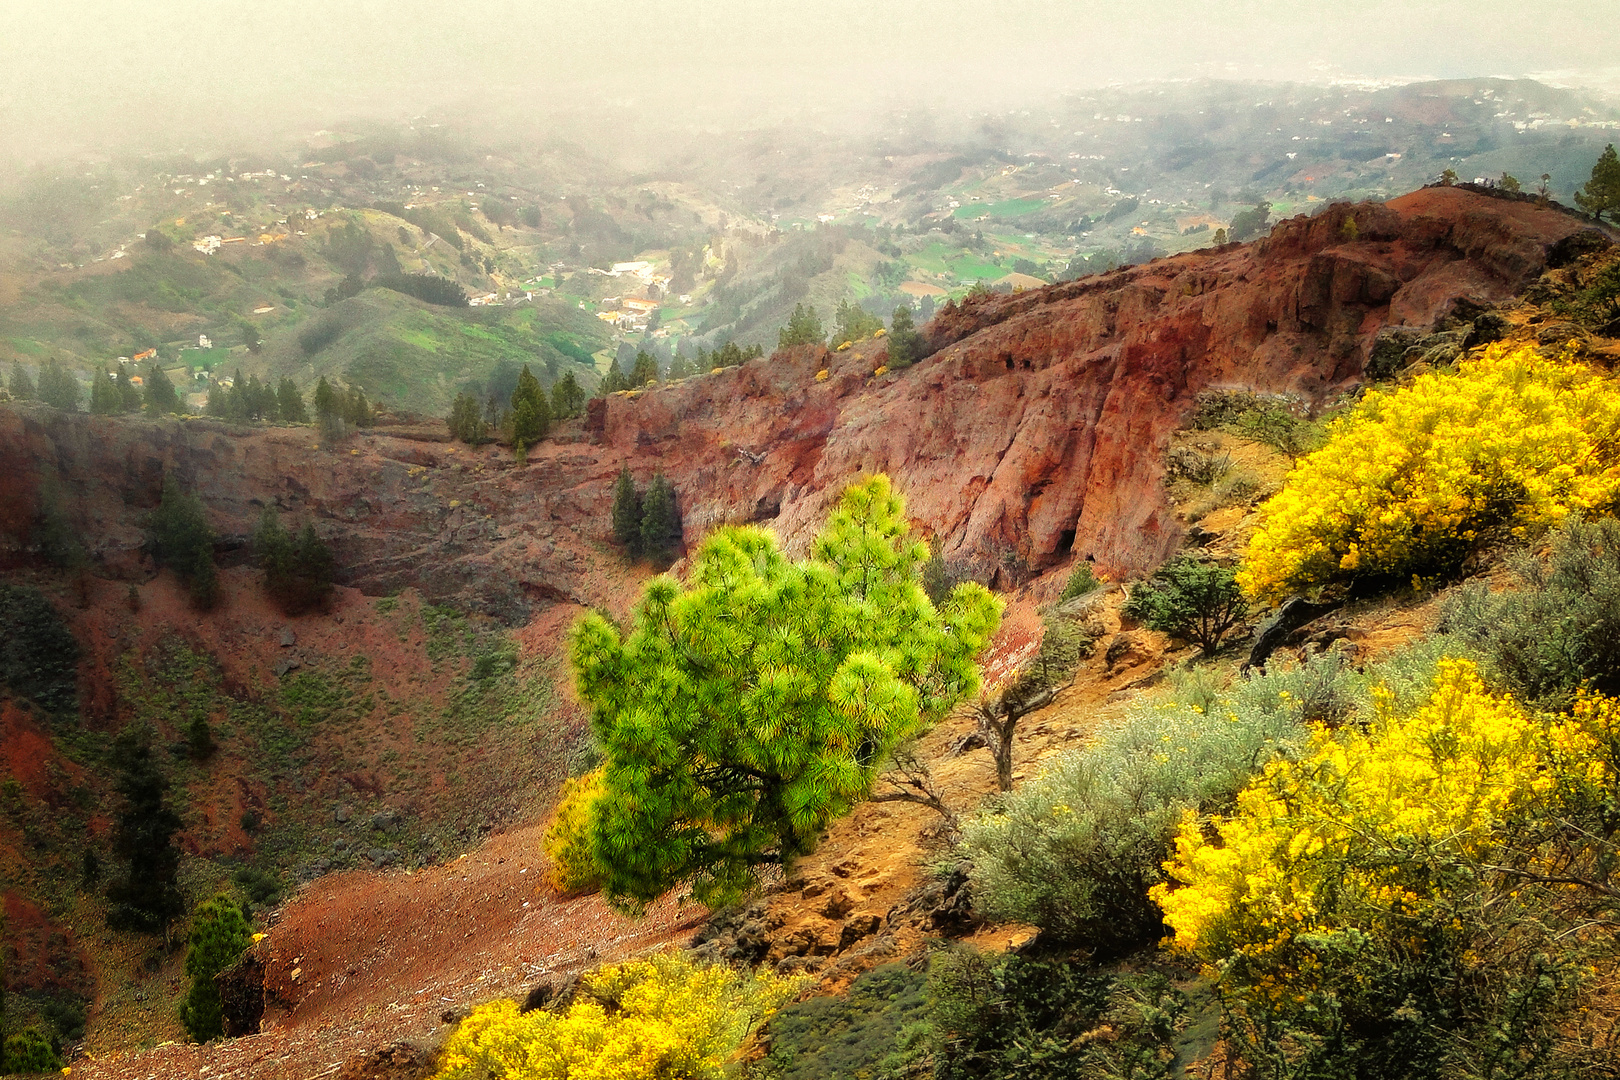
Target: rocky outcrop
x: 1036, y: 429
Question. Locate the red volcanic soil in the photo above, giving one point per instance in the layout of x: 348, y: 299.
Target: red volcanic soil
x: 362, y: 959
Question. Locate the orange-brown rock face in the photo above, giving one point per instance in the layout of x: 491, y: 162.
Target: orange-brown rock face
x: 1037, y: 428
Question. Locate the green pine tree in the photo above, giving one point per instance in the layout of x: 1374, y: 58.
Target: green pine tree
x: 905, y: 343
x: 104, y: 399
x: 179, y: 537
x: 326, y: 400
x: 161, y: 399
x: 644, y: 371
x: 218, y: 400
x: 147, y: 896
x: 220, y: 933
x: 531, y: 412
x: 803, y: 328
x: 660, y: 521
x: 58, y: 388
x: 627, y: 512
x: 22, y: 387
x: 1601, y: 195
x: 290, y: 403
x: 753, y: 706
x: 129, y: 395
x: 466, y: 420
x: 567, y: 397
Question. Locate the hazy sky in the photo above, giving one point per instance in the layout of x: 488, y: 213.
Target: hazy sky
x: 91, y: 73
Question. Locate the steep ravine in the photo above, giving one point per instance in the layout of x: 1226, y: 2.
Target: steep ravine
x: 1036, y: 429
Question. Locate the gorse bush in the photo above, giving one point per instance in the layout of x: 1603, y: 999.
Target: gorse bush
x: 1413, y: 478
x: 568, y: 839
x: 651, y: 1019
x: 1559, y: 629
x: 1410, y: 900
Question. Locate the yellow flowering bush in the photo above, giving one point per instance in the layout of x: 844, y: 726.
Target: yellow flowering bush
x: 568, y: 840
x: 1402, y: 880
x: 664, y: 1016
x: 823, y: 375
x: 882, y: 370
x: 1410, y: 478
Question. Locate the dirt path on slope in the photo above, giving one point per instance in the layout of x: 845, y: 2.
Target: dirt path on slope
x: 361, y: 959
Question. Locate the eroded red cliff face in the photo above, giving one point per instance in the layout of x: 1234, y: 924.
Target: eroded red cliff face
x: 1037, y: 428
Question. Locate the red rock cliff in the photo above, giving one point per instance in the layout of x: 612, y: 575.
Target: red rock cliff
x: 1036, y: 429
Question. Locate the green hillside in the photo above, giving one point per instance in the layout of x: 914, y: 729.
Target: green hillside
x: 416, y: 356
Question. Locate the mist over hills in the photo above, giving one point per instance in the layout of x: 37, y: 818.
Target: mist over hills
x: 484, y: 376
x: 736, y: 226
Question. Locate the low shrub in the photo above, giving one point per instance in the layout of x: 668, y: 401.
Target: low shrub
x: 1082, y: 581
x: 38, y: 654
x: 992, y: 1016
x: 1266, y: 420
x: 1415, y: 898
x: 664, y: 1016
x: 1559, y: 629
x: 1413, y: 479
x: 858, y: 1035
x: 1198, y: 601
x: 1075, y: 850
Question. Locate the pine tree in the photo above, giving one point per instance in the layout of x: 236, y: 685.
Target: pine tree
x: 104, y: 400
x: 466, y: 421
x: 297, y: 573
x: 531, y: 412
x: 803, y: 328
x: 1601, y: 195
x: 660, y: 521
x: 905, y: 343
x: 147, y: 896
x: 752, y: 707
x: 567, y: 398
x: 219, y: 934
x: 179, y: 537
x: 627, y: 512
x: 129, y: 395
x: 356, y: 409
x: 326, y: 401
x: 58, y: 388
x: 613, y: 381
x: 22, y: 387
x: 677, y: 368
x: 217, y: 403
x: 645, y: 371
x: 290, y: 403
x: 161, y: 399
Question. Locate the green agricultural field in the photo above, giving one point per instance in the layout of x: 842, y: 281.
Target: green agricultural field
x: 1009, y: 208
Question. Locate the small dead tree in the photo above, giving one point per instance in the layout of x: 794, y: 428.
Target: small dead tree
x: 908, y: 779
x: 1034, y: 686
